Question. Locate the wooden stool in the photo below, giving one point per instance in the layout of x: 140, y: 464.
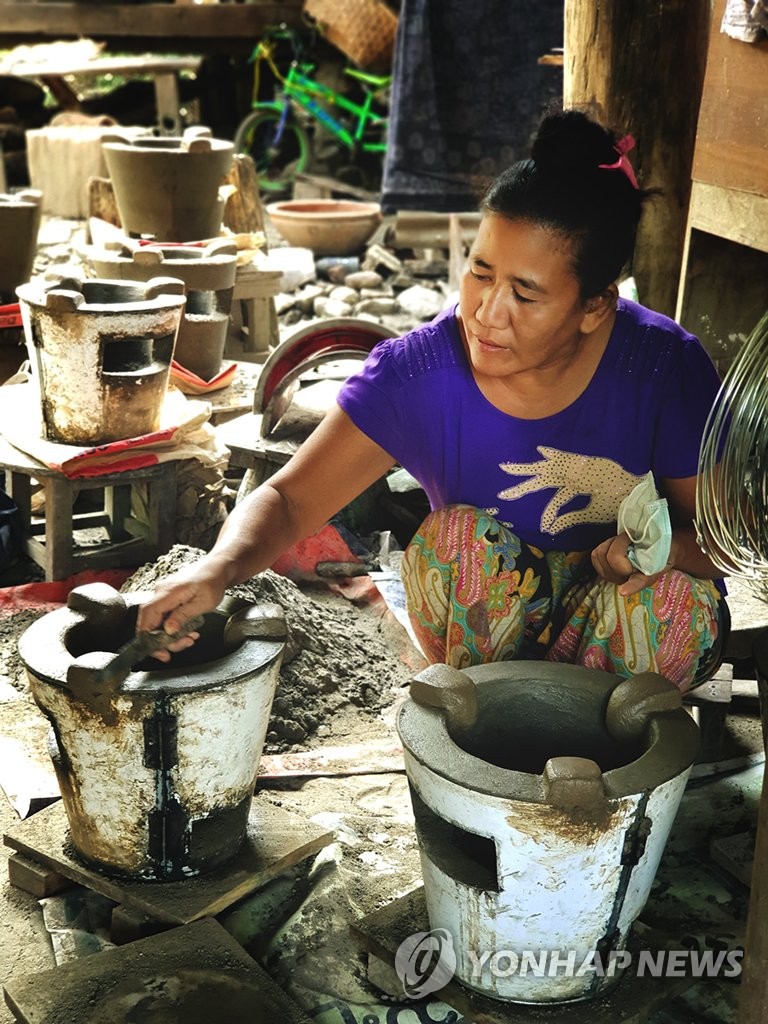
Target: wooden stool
x: 255, y: 292
x: 130, y: 541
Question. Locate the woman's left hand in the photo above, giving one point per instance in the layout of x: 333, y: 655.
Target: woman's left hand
x: 610, y: 561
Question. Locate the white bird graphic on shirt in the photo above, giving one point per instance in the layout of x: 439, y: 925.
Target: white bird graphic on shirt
x: 603, y: 480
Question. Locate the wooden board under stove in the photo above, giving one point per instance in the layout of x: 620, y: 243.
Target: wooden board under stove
x: 276, y: 841
x: 196, y: 973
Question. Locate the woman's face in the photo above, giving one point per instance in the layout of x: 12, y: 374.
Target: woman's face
x: 520, y: 304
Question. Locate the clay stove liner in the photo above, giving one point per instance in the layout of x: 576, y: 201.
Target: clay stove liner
x: 168, y: 188
x: 19, y: 224
x: 209, y: 279
x: 543, y: 796
x: 101, y: 353
x: 157, y: 773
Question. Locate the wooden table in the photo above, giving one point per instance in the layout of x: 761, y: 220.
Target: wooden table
x: 163, y: 70
x: 130, y: 542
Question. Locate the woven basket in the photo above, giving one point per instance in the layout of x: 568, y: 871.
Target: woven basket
x: 364, y: 30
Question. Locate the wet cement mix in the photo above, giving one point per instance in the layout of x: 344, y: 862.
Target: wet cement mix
x: 341, y: 666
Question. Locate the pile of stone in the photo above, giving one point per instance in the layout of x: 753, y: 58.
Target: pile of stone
x: 383, y: 286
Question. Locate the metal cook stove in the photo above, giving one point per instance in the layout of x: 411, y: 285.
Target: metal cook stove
x: 157, y: 765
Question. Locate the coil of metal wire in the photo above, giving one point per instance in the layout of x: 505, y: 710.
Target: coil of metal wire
x: 732, y: 496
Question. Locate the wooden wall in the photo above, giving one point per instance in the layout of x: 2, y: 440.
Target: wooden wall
x: 723, y: 288
x: 641, y: 66
x: 732, y: 135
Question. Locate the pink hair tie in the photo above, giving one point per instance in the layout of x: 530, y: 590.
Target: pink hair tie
x: 622, y: 147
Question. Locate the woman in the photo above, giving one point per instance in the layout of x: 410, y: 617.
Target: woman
x: 527, y: 413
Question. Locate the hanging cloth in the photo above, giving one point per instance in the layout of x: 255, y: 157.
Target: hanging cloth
x: 467, y: 95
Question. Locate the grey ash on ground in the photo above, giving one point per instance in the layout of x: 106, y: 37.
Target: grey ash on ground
x: 338, y: 657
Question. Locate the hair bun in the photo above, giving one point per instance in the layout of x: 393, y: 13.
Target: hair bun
x: 570, y: 142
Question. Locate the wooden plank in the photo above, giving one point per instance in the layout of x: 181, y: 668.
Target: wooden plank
x: 753, y: 1000
x: 59, y: 541
x: 248, y: 448
x: 240, y: 23
x: 735, y: 854
x: 197, y: 972
x: 275, y: 841
x: 38, y: 881
x: 732, y: 133
x: 162, y: 509
x: 741, y: 217
x: 148, y: 64
x: 375, y: 757
x: 328, y: 186
x: 424, y: 230
x: 726, y: 240
x: 723, y: 294
x: 128, y: 925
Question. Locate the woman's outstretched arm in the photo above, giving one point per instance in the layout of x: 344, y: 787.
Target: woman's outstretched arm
x: 335, y: 464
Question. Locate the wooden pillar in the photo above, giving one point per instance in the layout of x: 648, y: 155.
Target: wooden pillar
x: 753, y: 998
x: 753, y: 1001
x: 640, y: 68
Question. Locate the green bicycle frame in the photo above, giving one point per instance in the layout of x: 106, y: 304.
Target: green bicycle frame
x: 303, y: 90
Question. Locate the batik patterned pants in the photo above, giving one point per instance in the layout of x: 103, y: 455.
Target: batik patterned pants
x: 476, y: 594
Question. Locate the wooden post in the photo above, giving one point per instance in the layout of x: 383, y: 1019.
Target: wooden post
x: 640, y: 68
x: 753, y: 998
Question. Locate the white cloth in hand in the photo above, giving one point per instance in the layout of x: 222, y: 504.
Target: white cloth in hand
x: 644, y: 517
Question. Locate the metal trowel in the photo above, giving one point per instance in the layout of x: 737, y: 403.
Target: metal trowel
x: 115, y: 670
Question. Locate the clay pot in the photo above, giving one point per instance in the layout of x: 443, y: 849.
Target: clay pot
x: 169, y: 187
x: 329, y: 227
x: 19, y: 224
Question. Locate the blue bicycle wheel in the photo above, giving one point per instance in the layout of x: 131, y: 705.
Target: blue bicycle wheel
x: 279, y: 147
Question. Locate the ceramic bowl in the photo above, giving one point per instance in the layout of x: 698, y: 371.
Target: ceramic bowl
x: 329, y: 227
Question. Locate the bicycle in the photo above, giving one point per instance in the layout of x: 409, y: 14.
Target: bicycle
x: 275, y: 137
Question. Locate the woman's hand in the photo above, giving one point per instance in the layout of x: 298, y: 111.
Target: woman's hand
x: 610, y: 562
x: 335, y: 464
x: 192, y: 591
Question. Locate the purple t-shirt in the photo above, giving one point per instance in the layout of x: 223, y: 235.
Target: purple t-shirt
x: 556, y: 481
